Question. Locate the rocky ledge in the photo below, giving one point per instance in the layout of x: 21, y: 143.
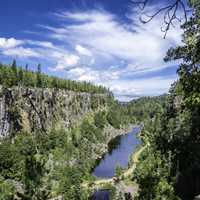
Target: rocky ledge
x: 32, y: 109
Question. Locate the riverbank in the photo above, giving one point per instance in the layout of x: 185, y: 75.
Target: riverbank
x: 122, y: 184
x: 135, y: 158
x: 110, y: 134
x: 127, y: 173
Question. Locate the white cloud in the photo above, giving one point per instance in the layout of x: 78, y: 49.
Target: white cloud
x: 140, y: 46
x: 44, y: 44
x: 21, y: 52
x: 9, y: 43
x: 125, y: 90
x: 65, y: 62
x: 83, y: 51
x: 71, y: 60
x: 100, y: 31
x: 116, y: 48
x: 13, y: 47
x: 86, y: 73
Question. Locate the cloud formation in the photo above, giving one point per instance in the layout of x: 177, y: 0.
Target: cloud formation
x: 21, y: 52
x: 98, y: 47
x: 139, y: 44
x: 83, y: 51
x: 9, y: 43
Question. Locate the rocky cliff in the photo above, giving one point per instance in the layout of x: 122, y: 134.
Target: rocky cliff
x: 32, y: 109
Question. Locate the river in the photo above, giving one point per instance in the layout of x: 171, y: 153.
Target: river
x: 120, y: 150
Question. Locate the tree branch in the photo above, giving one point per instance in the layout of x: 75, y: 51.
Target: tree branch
x: 169, y: 12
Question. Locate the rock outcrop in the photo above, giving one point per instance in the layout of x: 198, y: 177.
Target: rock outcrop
x: 33, y: 109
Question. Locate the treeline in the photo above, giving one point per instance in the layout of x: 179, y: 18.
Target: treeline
x: 146, y: 107
x: 11, y: 75
x: 169, y: 167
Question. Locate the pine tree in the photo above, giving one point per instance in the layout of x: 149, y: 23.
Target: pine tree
x: 14, y: 73
x: 14, y: 65
x: 39, y: 78
x: 21, y: 76
x: 26, y: 67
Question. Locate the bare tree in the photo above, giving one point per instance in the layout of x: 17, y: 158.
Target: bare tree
x: 170, y: 13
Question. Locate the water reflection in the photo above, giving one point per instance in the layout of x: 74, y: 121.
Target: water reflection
x: 100, y: 195
x: 120, y: 149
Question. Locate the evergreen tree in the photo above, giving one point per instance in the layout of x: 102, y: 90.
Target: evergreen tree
x: 39, y: 78
x: 14, y: 73
x: 21, y: 76
x: 12, y: 76
x: 170, y: 166
x: 26, y: 68
x: 14, y: 65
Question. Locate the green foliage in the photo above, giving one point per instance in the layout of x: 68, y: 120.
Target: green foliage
x: 13, y: 75
x: 120, y: 196
x: 94, y: 102
x: 58, y: 162
x: 100, y: 119
x: 171, y: 146
x: 14, y: 72
x: 118, y: 171
x: 15, y: 118
x: 173, y: 152
x: 10, y: 160
x: 149, y: 173
x: 91, y: 132
x: 88, y: 130
x: 165, y: 191
x: 114, y: 117
x: 146, y: 107
x: 7, y: 190
x: 50, y: 165
x: 39, y: 77
x: 23, y: 163
x: 70, y: 183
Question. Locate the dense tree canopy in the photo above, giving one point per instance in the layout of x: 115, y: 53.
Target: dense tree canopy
x: 58, y: 162
x: 169, y: 168
x: 17, y: 76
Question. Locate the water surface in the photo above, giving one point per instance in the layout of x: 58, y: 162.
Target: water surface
x: 120, y: 150
x: 100, y: 195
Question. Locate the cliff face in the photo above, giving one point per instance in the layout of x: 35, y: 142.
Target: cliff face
x: 32, y: 109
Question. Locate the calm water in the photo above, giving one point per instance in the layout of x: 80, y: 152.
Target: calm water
x: 120, y: 150
x: 100, y: 195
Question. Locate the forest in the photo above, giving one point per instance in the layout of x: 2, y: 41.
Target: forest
x: 37, y: 166
x: 169, y: 168
x: 11, y: 75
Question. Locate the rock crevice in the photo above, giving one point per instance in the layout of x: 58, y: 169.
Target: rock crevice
x: 32, y: 109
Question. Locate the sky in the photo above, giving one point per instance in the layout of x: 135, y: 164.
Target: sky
x: 100, y: 41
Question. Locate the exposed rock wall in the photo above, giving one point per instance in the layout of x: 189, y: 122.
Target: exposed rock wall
x: 32, y: 109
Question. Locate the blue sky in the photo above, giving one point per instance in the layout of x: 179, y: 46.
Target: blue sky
x: 101, y: 41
